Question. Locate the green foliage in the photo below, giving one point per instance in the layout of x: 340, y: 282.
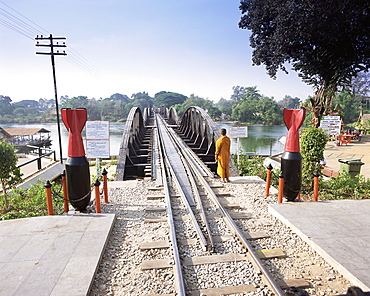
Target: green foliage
x: 31, y: 202
x: 326, y: 42
x: 313, y: 141
x: 255, y: 108
x: 226, y: 106
x: 290, y: 103
x: 168, y: 98
x: 345, y: 103
x: 253, y: 166
x: 250, y: 166
x: 194, y: 100
x: 345, y: 187
x: 10, y: 175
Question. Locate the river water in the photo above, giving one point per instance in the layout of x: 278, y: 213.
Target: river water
x: 263, y: 140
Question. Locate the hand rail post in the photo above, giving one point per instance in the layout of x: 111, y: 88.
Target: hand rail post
x: 268, y: 180
x: 39, y: 158
x: 97, y: 196
x: 65, y: 193
x: 105, y: 185
x: 49, y: 201
x: 316, y: 176
x: 281, y: 187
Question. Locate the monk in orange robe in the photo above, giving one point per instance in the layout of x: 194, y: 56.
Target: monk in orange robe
x: 222, y: 156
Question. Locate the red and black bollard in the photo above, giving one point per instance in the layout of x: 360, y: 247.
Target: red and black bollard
x: 77, y: 166
x: 268, y: 179
x: 291, y: 160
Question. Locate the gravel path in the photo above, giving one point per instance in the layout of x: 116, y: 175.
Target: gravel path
x: 119, y: 272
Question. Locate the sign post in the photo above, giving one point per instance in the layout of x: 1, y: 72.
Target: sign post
x: 97, y: 142
x: 238, y: 132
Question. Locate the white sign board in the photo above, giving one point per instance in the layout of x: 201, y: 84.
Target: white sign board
x: 332, y: 125
x: 97, y: 130
x: 97, y: 139
x: 97, y: 148
x: 239, y: 132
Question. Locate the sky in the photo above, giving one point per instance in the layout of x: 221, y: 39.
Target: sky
x: 125, y: 46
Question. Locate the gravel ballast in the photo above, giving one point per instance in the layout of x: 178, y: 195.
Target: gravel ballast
x: 120, y: 273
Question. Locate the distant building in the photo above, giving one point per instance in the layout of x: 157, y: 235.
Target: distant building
x: 5, y: 135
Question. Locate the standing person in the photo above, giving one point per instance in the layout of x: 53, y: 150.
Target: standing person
x: 222, y: 156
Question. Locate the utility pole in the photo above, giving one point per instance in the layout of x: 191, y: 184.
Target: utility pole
x: 52, y: 53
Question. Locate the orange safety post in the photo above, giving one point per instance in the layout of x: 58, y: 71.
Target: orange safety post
x: 97, y: 196
x: 105, y: 185
x: 268, y: 180
x: 281, y: 187
x: 316, y: 176
x: 49, y: 201
x: 65, y: 193
x: 298, y: 196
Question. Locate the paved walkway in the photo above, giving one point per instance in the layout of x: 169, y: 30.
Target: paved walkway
x: 52, y: 255
x: 355, y: 149
x: 338, y: 230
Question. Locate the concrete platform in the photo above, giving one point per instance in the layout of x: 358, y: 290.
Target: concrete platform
x: 338, y: 230
x: 355, y: 149
x: 52, y: 255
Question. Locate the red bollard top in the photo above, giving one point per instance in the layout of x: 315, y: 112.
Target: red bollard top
x: 293, y: 119
x: 74, y: 120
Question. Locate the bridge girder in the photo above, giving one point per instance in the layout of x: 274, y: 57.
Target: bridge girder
x: 200, y: 133
x: 133, y: 152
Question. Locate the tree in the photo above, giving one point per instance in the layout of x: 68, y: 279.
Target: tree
x: 290, y: 103
x: 168, y: 98
x: 9, y: 173
x: 238, y: 93
x: 226, y: 106
x: 345, y: 103
x: 5, y: 105
x: 256, y: 108
x: 194, y: 100
x: 327, y: 42
x: 27, y: 104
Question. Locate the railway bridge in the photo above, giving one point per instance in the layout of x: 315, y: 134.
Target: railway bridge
x: 137, y: 155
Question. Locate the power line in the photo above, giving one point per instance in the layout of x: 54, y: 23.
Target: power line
x: 42, y: 29
x: 27, y: 28
x: 14, y: 28
x: 18, y: 22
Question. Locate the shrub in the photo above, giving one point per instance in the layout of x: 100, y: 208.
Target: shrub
x: 31, y: 202
x: 345, y: 187
x: 313, y: 141
x: 253, y: 166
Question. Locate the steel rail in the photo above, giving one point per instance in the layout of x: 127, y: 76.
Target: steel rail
x: 182, y: 194
x: 200, y: 207
x: 179, y: 279
x: 233, y: 227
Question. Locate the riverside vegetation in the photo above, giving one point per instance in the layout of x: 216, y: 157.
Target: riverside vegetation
x: 313, y: 141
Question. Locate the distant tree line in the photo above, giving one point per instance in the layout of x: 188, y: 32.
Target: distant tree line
x: 246, y: 105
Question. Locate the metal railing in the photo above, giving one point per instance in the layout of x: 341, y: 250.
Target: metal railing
x: 48, y: 152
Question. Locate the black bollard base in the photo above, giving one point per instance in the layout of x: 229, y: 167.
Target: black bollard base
x: 78, y: 182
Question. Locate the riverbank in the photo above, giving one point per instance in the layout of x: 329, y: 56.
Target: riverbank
x: 355, y: 149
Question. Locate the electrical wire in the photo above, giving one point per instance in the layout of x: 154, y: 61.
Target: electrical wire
x: 19, y: 23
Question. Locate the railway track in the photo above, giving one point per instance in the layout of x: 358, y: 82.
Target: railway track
x: 164, y: 243
x: 207, y: 250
